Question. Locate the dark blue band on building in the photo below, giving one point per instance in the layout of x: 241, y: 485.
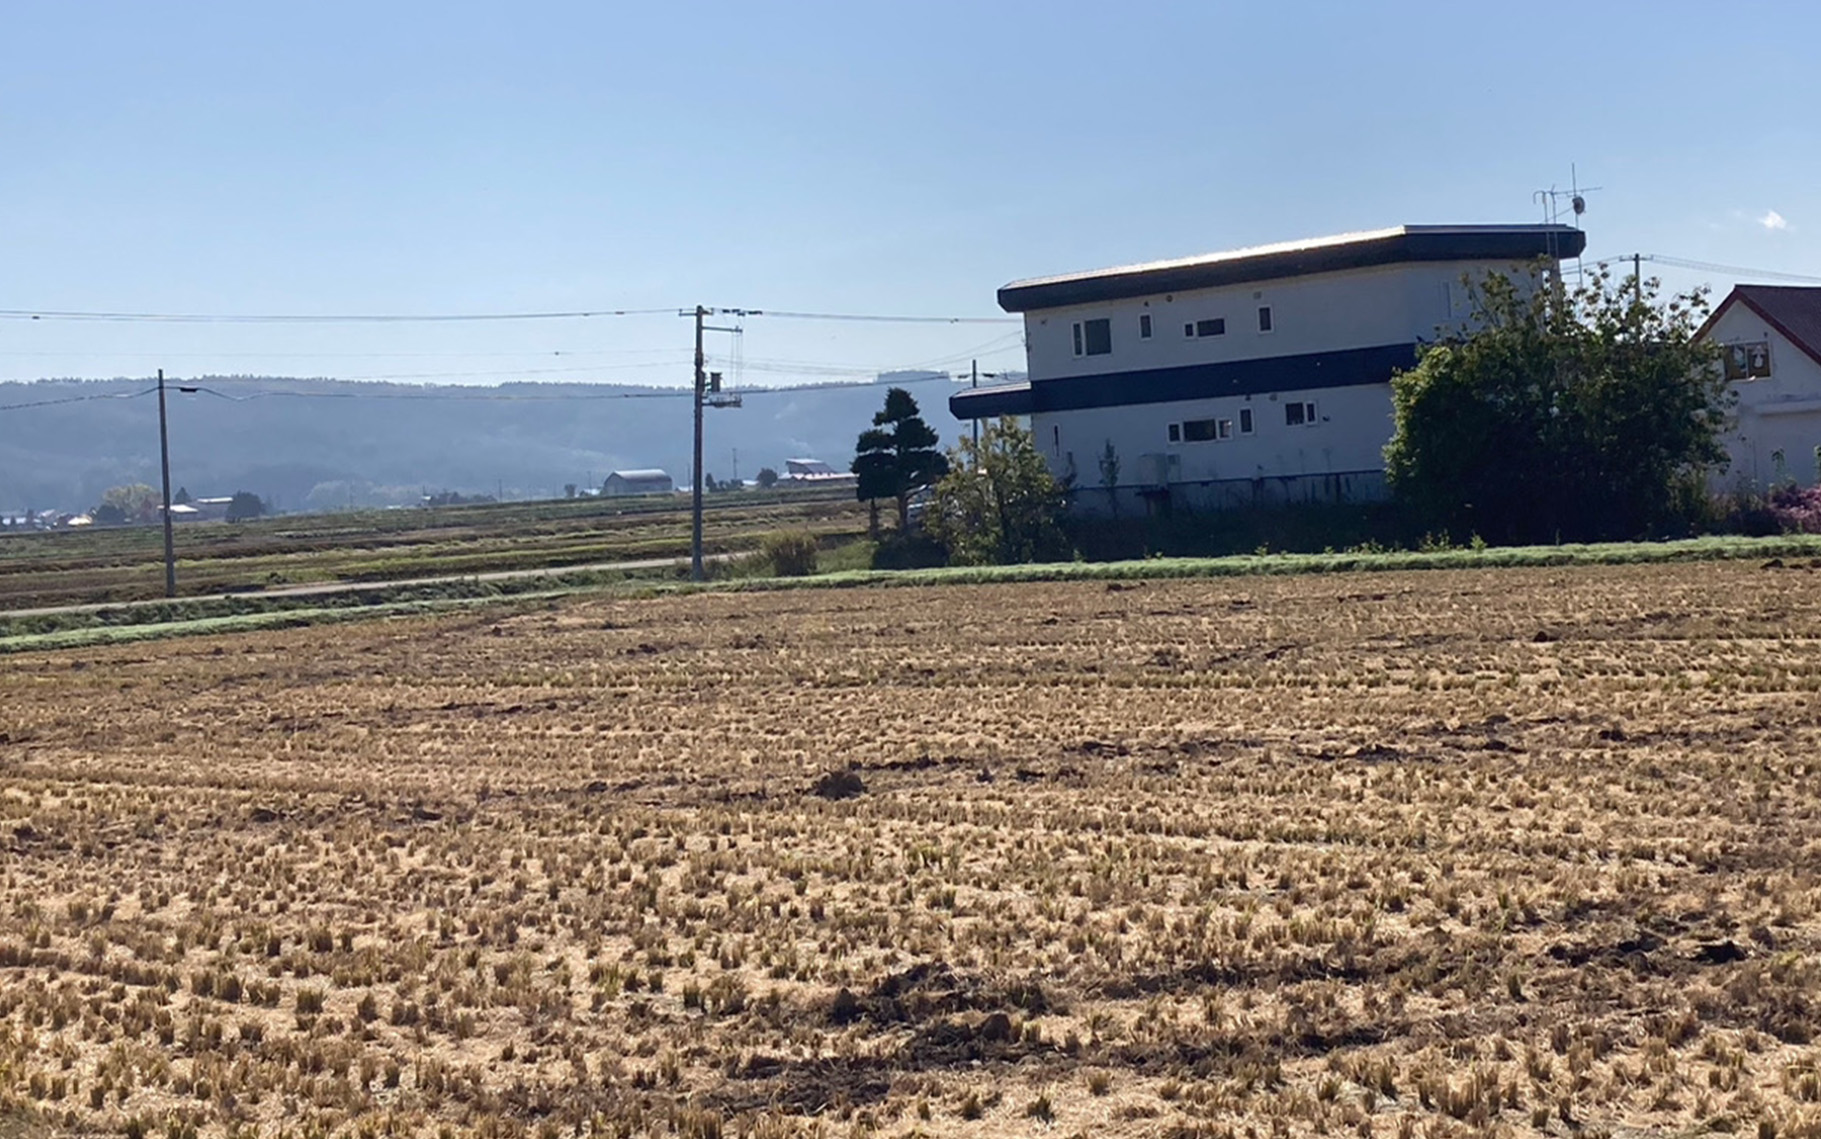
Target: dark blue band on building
x: 1351, y: 368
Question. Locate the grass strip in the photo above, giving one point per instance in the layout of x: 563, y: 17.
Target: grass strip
x: 233, y: 614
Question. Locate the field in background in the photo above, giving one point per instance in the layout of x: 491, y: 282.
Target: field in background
x: 109, y: 565
x: 1518, y: 851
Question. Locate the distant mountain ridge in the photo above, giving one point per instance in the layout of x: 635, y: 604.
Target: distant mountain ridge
x: 319, y: 444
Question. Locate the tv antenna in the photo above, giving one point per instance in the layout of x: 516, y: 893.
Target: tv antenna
x: 1564, y: 207
x: 1552, y: 200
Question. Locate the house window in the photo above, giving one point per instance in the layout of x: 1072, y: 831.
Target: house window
x: 1264, y: 318
x: 1207, y: 430
x: 1299, y: 414
x: 1093, y: 337
x: 1188, y: 330
x: 1748, y: 361
x: 1214, y: 327
x: 1175, y: 432
x: 1245, y: 421
x: 1144, y: 326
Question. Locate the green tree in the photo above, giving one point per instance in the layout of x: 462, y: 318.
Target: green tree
x: 768, y: 478
x: 998, y: 503
x: 1560, y: 414
x: 245, y: 505
x: 897, y: 456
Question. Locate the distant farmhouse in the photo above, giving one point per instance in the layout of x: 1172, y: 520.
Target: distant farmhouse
x: 1770, y: 340
x: 651, y: 481
x: 815, y: 472
x: 1261, y: 374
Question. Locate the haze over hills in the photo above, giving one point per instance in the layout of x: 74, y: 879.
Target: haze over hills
x: 322, y: 444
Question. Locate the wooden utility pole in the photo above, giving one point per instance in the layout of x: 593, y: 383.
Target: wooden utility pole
x: 164, y: 462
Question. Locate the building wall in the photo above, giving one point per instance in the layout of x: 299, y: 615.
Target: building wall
x: 1777, y: 415
x: 1337, y: 454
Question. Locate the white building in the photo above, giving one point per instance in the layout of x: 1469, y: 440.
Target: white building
x: 1770, y: 336
x: 1256, y: 375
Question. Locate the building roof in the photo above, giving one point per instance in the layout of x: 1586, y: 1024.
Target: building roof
x: 993, y: 401
x: 1403, y: 243
x: 1793, y: 310
x: 647, y: 474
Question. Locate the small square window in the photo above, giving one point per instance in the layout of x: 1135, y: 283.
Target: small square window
x: 1175, y: 432
x: 1144, y: 326
x: 1224, y: 430
x: 1093, y: 337
x: 1264, y: 318
x: 1188, y: 330
x: 1245, y: 421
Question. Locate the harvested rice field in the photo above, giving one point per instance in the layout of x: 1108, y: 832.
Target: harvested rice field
x: 1501, y: 852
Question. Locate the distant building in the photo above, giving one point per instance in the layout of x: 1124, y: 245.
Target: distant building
x: 1255, y: 375
x: 649, y: 481
x: 212, y: 509
x: 815, y: 472
x: 1770, y: 342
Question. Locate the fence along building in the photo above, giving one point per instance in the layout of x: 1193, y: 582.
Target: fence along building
x: 1256, y: 375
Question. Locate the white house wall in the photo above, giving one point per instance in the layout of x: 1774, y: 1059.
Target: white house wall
x: 1389, y: 307
x: 1777, y: 423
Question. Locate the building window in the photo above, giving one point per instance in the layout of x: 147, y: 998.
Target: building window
x: 1206, y: 430
x: 1264, y: 318
x: 1299, y: 414
x: 1199, y: 328
x: 1144, y: 326
x: 1245, y: 421
x: 1748, y: 361
x: 1093, y: 337
x: 1175, y: 432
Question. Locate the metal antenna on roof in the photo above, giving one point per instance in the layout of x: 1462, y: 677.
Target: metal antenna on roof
x: 1572, y: 201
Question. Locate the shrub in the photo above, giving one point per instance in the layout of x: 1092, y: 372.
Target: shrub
x: 908, y: 551
x: 791, y: 554
x: 1797, y: 509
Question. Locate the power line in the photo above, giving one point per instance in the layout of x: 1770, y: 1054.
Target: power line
x: 876, y: 318
x: 76, y: 399
x: 1707, y: 267
x: 296, y: 318
x: 447, y: 318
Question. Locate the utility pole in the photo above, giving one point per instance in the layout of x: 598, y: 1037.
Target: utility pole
x: 1637, y: 277
x: 707, y: 393
x: 973, y: 368
x: 164, y: 462
x: 695, y: 490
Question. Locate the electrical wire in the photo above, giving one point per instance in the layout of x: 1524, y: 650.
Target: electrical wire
x: 876, y: 318
x: 76, y: 399
x: 343, y: 318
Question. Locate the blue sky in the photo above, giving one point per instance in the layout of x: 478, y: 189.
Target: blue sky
x: 832, y: 157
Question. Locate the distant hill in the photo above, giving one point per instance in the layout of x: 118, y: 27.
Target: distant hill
x: 318, y: 444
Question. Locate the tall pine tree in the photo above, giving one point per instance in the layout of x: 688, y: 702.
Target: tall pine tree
x: 897, y: 456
